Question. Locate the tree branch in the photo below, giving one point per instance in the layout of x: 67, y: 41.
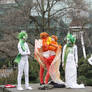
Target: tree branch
x: 39, y: 6
x: 60, y: 10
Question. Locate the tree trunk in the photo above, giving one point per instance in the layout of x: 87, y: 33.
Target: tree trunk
x: 48, y: 15
x: 43, y: 15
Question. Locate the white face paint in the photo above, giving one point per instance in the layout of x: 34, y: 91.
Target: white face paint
x: 25, y: 38
x: 68, y: 41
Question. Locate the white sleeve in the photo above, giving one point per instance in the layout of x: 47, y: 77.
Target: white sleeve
x: 63, y: 54
x: 28, y: 51
x: 39, y: 43
x: 21, y: 51
x: 76, y: 54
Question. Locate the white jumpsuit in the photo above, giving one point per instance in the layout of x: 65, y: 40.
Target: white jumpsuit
x: 71, y: 68
x: 23, y: 65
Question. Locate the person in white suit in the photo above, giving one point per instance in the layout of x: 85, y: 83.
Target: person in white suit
x: 70, y: 63
x: 23, y: 64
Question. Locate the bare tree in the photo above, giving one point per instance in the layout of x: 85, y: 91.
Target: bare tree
x: 46, y: 9
x: 15, y: 18
x: 21, y: 15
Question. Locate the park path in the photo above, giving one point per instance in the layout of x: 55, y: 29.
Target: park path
x: 35, y: 89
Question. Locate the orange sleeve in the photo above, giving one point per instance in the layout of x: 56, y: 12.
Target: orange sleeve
x: 52, y: 47
x: 60, y: 46
x: 44, y: 45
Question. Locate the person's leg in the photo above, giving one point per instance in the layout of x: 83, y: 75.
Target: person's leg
x: 41, y: 75
x: 47, y: 74
x: 47, y: 86
x: 48, y: 63
x: 26, y: 72
x: 20, y: 74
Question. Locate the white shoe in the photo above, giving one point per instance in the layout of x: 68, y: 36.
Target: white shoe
x: 29, y: 88
x: 20, y: 88
x: 68, y: 87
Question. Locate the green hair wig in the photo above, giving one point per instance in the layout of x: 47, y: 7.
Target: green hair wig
x: 22, y: 35
x: 71, y: 38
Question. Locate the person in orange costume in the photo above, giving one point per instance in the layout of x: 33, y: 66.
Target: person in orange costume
x: 47, y: 49
x: 44, y: 36
x: 52, y: 47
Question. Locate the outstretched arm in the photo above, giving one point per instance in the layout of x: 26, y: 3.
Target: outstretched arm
x: 63, y: 55
x: 28, y: 51
x: 90, y: 60
x: 76, y: 55
x: 21, y: 51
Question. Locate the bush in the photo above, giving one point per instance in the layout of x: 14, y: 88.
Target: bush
x: 34, y: 71
x: 85, y: 72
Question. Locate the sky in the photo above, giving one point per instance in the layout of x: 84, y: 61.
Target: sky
x: 89, y: 2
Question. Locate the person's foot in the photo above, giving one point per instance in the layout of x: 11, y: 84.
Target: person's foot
x: 42, y: 86
x: 20, y: 88
x: 68, y: 87
x: 45, y: 86
x: 28, y: 88
x: 48, y: 86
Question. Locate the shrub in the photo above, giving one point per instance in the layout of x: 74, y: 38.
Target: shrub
x: 33, y: 71
x: 85, y: 72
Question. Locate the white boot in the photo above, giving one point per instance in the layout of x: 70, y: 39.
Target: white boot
x: 28, y: 88
x: 20, y: 88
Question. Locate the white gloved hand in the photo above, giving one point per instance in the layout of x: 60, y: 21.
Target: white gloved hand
x: 90, y: 61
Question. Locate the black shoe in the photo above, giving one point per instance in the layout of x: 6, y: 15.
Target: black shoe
x: 48, y: 86
x: 56, y: 85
